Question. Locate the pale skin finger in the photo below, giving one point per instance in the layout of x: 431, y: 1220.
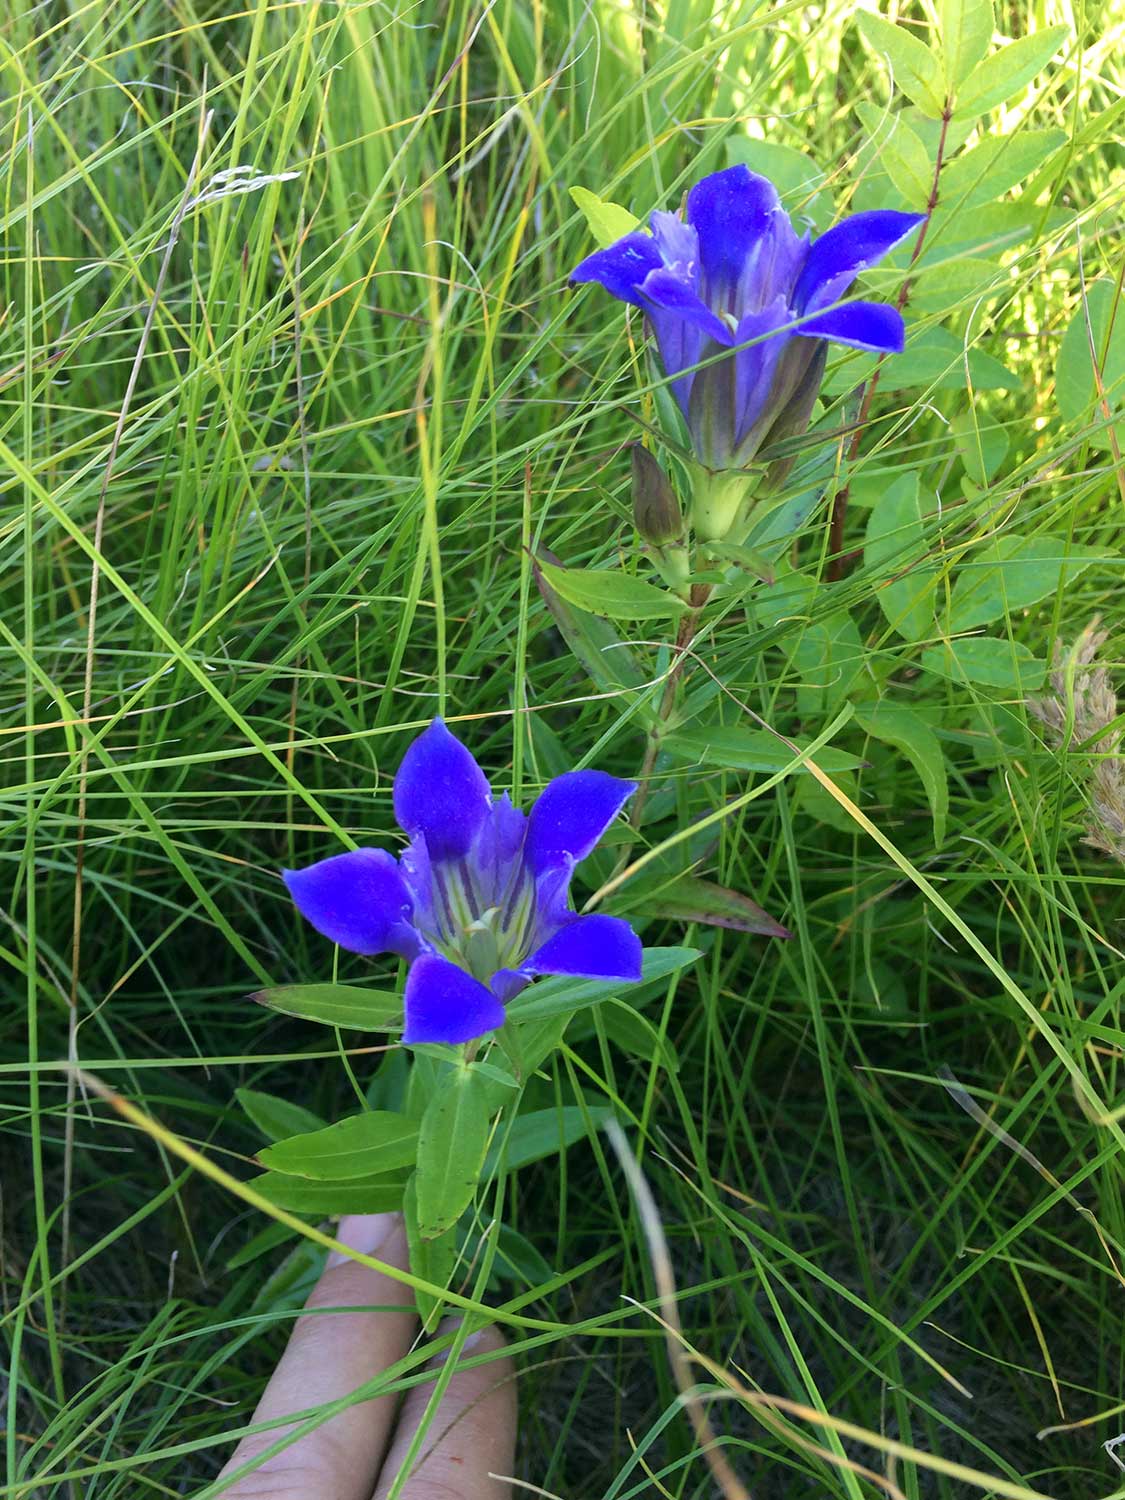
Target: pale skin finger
x: 330, y: 1355
x: 469, y: 1439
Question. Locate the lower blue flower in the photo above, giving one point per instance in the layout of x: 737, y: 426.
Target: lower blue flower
x: 479, y: 903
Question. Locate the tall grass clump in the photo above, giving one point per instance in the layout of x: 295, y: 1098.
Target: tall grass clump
x: 304, y: 441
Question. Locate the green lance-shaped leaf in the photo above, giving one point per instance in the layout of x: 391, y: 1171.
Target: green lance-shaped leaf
x: 540, y: 1133
x: 345, y: 1005
x: 901, y: 727
x: 896, y: 545
x: 451, y: 1146
x: 359, y: 1146
x: 595, y: 644
x: 619, y: 596
x: 982, y: 446
x: 1005, y: 72
x: 432, y: 1257
x: 739, y: 749
x: 687, y: 898
x: 966, y: 33
x: 277, y: 1118
x: 370, y: 1195
x: 560, y: 997
x: 608, y: 221
x: 917, y: 72
x: 998, y: 164
x: 1092, y: 355
x: 1009, y: 573
x: 988, y: 661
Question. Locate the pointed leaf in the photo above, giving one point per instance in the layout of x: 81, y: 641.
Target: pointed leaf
x: 1003, y: 73
x: 896, y: 548
x: 1011, y: 572
x: 1095, y: 339
x: 276, y: 1118
x: 345, y: 1005
x: 619, y: 596
x: 374, y: 1195
x: 360, y: 1146
x: 987, y: 660
x: 608, y: 221
x: 558, y: 997
x: 915, y: 69
x: 998, y: 164
x: 966, y: 33
x: 597, y: 647
x: 686, y: 898
x: 901, y: 727
x: 740, y: 749
x: 434, y: 1257
x: 451, y: 1145
x: 539, y: 1133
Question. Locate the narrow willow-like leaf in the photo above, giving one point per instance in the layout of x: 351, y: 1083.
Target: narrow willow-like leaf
x: 687, y: 898
x: 1002, y: 74
x: 451, y: 1144
x: 359, y: 1146
x: 901, y: 727
x: 741, y: 749
x: 346, y: 1005
x: 540, y: 1133
x: 895, y: 544
x: 916, y: 70
x: 966, y: 33
x: 608, y: 221
x: 552, y: 998
x: 374, y: 1195
x: 987, y: 660
x: 277, y: 1118
x: 619, y: 596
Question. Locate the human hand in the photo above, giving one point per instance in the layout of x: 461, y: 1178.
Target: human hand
x: 358, y: 1454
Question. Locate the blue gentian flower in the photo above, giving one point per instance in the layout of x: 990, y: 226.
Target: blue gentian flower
x: 479, y: 901
x: 735, y: 275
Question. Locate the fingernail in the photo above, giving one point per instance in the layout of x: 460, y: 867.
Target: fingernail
x: 365, y: 1233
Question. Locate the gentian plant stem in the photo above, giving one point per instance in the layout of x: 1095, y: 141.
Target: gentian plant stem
x: 685, y: 635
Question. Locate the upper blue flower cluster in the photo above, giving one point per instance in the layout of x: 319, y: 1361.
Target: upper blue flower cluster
x: 479, y: 901
x: 736, y: 276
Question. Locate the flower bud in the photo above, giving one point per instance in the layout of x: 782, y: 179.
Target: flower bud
x: 656, y: 511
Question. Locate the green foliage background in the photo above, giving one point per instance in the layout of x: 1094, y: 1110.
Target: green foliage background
x: 308, y: 406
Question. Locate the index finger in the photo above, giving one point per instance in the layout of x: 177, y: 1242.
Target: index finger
x: 330, y: 1355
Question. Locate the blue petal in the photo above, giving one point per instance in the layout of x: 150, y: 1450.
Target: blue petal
x: 622, y: 266
x: 571, y: 814
x: 359, y: 900
x: 863, y: 325
x: 837, y: 257
x: 506, y: 984
x: 500, y: 841
x: 730, y: 210
x: 441, y: 793
x: 664, y: 291
x: 594, y: 947
x: 417, y: 872
x: 678, y: 244
x: 445, y: 1004
x: 729, y: 396
x: 686, y: 330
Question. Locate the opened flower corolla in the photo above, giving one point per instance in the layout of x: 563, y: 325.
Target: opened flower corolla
x: 479, y: 901
x: 735, y: 276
